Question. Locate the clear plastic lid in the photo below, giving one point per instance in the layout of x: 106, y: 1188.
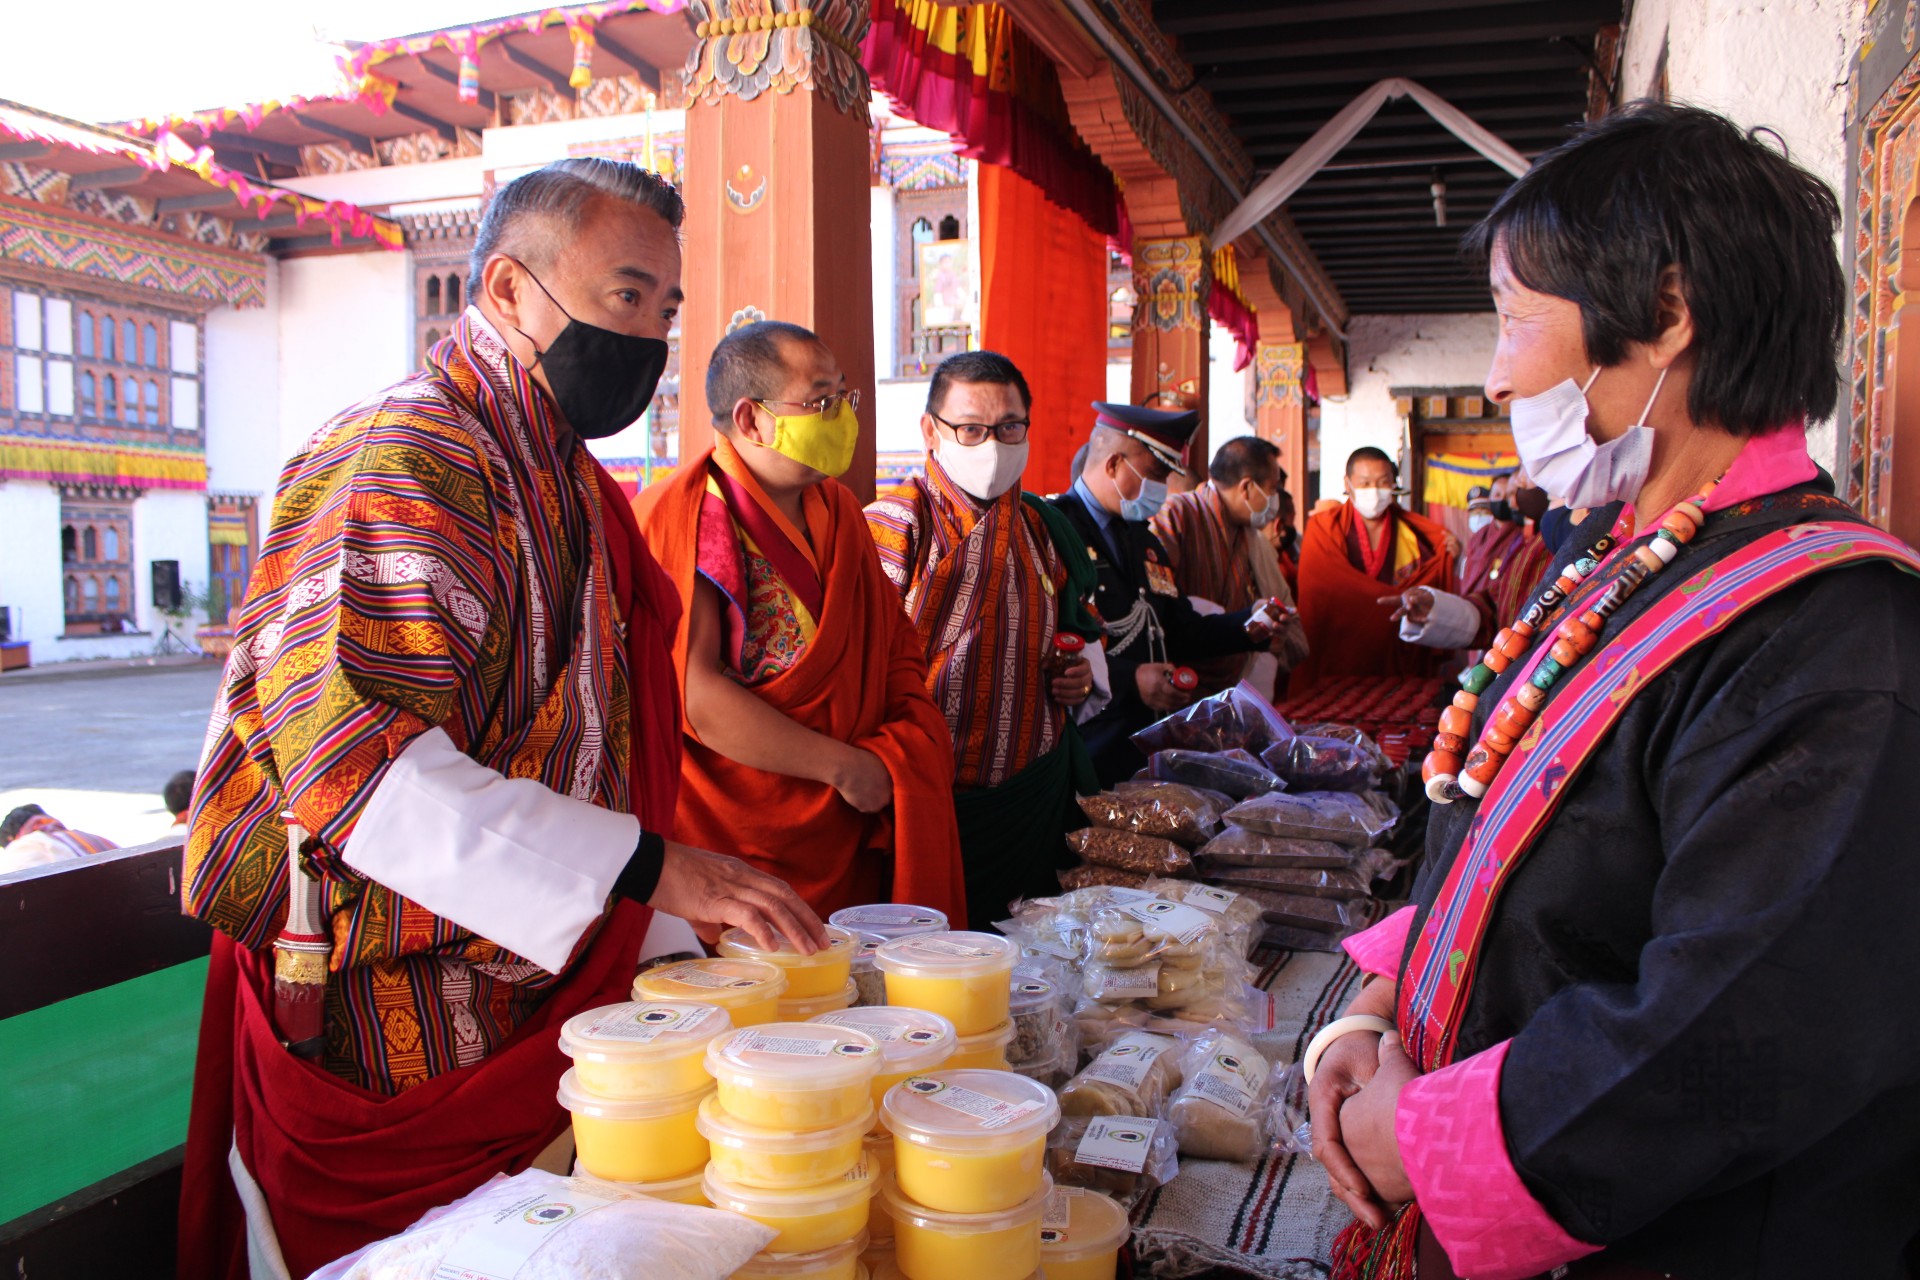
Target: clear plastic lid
x: 1029, y: 1211
x: 806, y: 1008
x: 580, y: 1102
x: 721, y: 980
x: 910, y: 1039
x: 642, y: 1031
x: 1029, y: 992
x: 674, y: 1189
x: 885, y: 921
x: 819, y: 1262
x: 992, y: 1038
x: 970, y: 1108
x: 947, y: 955
x: 794, y: 1056
x: 1078, y: 1223
x: 723, y: 1129
x: 850, y: 1189
x: 738, y: 942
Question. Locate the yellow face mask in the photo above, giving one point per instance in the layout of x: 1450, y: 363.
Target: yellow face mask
x: 823, y: 441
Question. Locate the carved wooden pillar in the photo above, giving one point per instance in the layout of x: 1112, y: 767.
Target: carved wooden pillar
x: 778, y: 166
x: 1170, y: 280
x: 1280, y: 411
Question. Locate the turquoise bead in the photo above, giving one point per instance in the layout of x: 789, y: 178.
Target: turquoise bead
x: 1545, y: 674
x: 1478, y: 680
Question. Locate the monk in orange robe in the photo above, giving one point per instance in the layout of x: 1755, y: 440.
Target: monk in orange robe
x: 1352, y: 555
x: 813, y: 750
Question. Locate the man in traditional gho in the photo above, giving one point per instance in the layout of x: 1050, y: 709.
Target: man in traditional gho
x: 30, y: 836
x: 1648, y: 1013
x: 990, y: 577
x: 453, y: 675
x: 1348, y: 555
x: 1504, y: 565
x: 812, y: 749
x: 1152, y: 629
x: 1212, y: 539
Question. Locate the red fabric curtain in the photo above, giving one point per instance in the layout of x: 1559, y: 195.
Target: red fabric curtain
x: 1043, y: 304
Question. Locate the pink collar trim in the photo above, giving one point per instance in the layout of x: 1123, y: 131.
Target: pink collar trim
x: 1771, y: 462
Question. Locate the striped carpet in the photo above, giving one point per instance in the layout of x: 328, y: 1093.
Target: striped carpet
x: 1275, y: 1219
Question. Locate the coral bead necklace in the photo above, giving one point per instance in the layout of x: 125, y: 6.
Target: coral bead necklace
x: 1451, y: 771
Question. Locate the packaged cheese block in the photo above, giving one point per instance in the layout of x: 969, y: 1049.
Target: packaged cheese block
x: 643, y: 1049
x: 1132, y: 1076
x: 821, y: 974
x: 795, y: 1075
x: 960, y: 975
x: 624, y: 1140
x: 1219, y: 1112
x: 749, y: 990
x: 969, y: 1141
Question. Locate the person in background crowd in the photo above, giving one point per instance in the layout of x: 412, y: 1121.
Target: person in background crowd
x: 1505, y: 563
x: 1152, y: 629
x: 990, y: 575
x: 29, y: 836
x: 1212, y: 539
x: 1348, y: 553
x: 1079, y: 464
x: 1283, y: 535
x: 177, y: 795
x: 812, y: 748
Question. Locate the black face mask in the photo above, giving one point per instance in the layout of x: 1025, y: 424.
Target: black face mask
x: 1531, y: 503
x: 1503, y: 511
x: 602, y: 380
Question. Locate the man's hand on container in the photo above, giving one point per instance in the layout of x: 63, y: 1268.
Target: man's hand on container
x: 713, y: 892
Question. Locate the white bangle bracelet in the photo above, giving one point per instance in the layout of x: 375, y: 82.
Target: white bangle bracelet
x: 1310, y: 1061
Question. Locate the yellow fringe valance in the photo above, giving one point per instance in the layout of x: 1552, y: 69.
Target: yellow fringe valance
x: 128, y: 465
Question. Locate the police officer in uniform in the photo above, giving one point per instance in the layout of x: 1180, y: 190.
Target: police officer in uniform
x: 1151, y: 628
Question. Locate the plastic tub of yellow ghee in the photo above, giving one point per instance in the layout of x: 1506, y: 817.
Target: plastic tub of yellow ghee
x: 841, y: 1262
x: 929, y: 1244
x: 912, y: 1041
x: 643, y: 1049
x: 986, y: 1051
x: 749, y: 990
x: 961, y: 976
x: 682, y: 1190
x: 970, y: 1141
x: 879, y: 1158
x: 797, y: 1076
x: 807, y: 1218
x: 1081, y: 1234
x: 821, y: 974
x: 887, y: 1267
x: 757, y: 1157
x: 628, y: 1140
x: 807, y: 1008
x: 885, y: 921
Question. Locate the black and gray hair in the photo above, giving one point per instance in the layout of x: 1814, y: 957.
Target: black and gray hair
x: 1599, y: 220
x: 559, y: 195
x: 17, y: 818
x: 1245, y: 456
x: 976, y: 366
x: 749, y: 364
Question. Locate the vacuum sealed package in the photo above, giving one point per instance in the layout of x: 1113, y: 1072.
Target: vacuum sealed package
x: 1233, y: 718
x: 1163, y: 955
x: 1123, y: 1156
x: 1236, y: 774
x: 1130, y: 851
x: 1239, y: 917
x: 1169, y: 810
x: 1219, y: 1111
x: 1302, y: 911
x: 1132, y: 1076
x: 1093, y: 874
x: 541, y: 1226
x: 1310, y: 762
x: 1352, y: 883
x: 1356, y: 820
x: 1239, y: 847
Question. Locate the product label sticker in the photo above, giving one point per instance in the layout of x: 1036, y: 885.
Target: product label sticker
x: 694, y: 975
x: 644, y: 1022
x: 948, y: 947
x: 1058, y: 1215
x: 1120, y: 893
x: 992, y: 1113
x: 1228, y: 1080
x: 796, y: 1046
x: 498, y: 1248
x: 1141, y: 983
x: 1177, y: 921
x: 1210, y: 898
x: 1117, y: 1142
x: 886, y: 915
x: 879, y: 1029
x: 1127, y: 1061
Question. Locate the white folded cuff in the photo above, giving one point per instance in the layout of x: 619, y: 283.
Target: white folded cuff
x: 1453, y: 624
x: 1096, y: 656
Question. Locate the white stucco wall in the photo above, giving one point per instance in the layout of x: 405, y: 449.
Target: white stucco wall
x: 345, y: 332
x: 1397, y: 351
x: 168, y: 524
x: 244, y: 449
x: 1784, y: 64
x: 1226, y: 392
x: 30, y: 563
x: 896, y: 415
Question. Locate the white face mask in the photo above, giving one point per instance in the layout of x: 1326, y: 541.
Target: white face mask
x: 985, y: 470
x: 1478, y: 521
x: 1143, y: 506
x: 1268, y: 514
x: 1550, y: 434
x: 1372, y: 503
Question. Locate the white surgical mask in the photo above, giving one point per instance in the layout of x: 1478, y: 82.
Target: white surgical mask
x: 1478, y: 521
x: 985, y: 470
x: 1146, y: 504
x: 1550, y: 434
x: 1372, y: 503
x: 1268, y: 514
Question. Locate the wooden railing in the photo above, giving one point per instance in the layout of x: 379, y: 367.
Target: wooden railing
x: 928, y: 346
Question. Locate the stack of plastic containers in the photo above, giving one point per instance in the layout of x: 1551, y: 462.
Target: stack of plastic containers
x: 749, y: 990
x: 787, y: 1126
x: 877, y: 925
x: 968, y: 1191
x: 635, y: 1090
x: 963, y: 977
x: 816, y: 984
